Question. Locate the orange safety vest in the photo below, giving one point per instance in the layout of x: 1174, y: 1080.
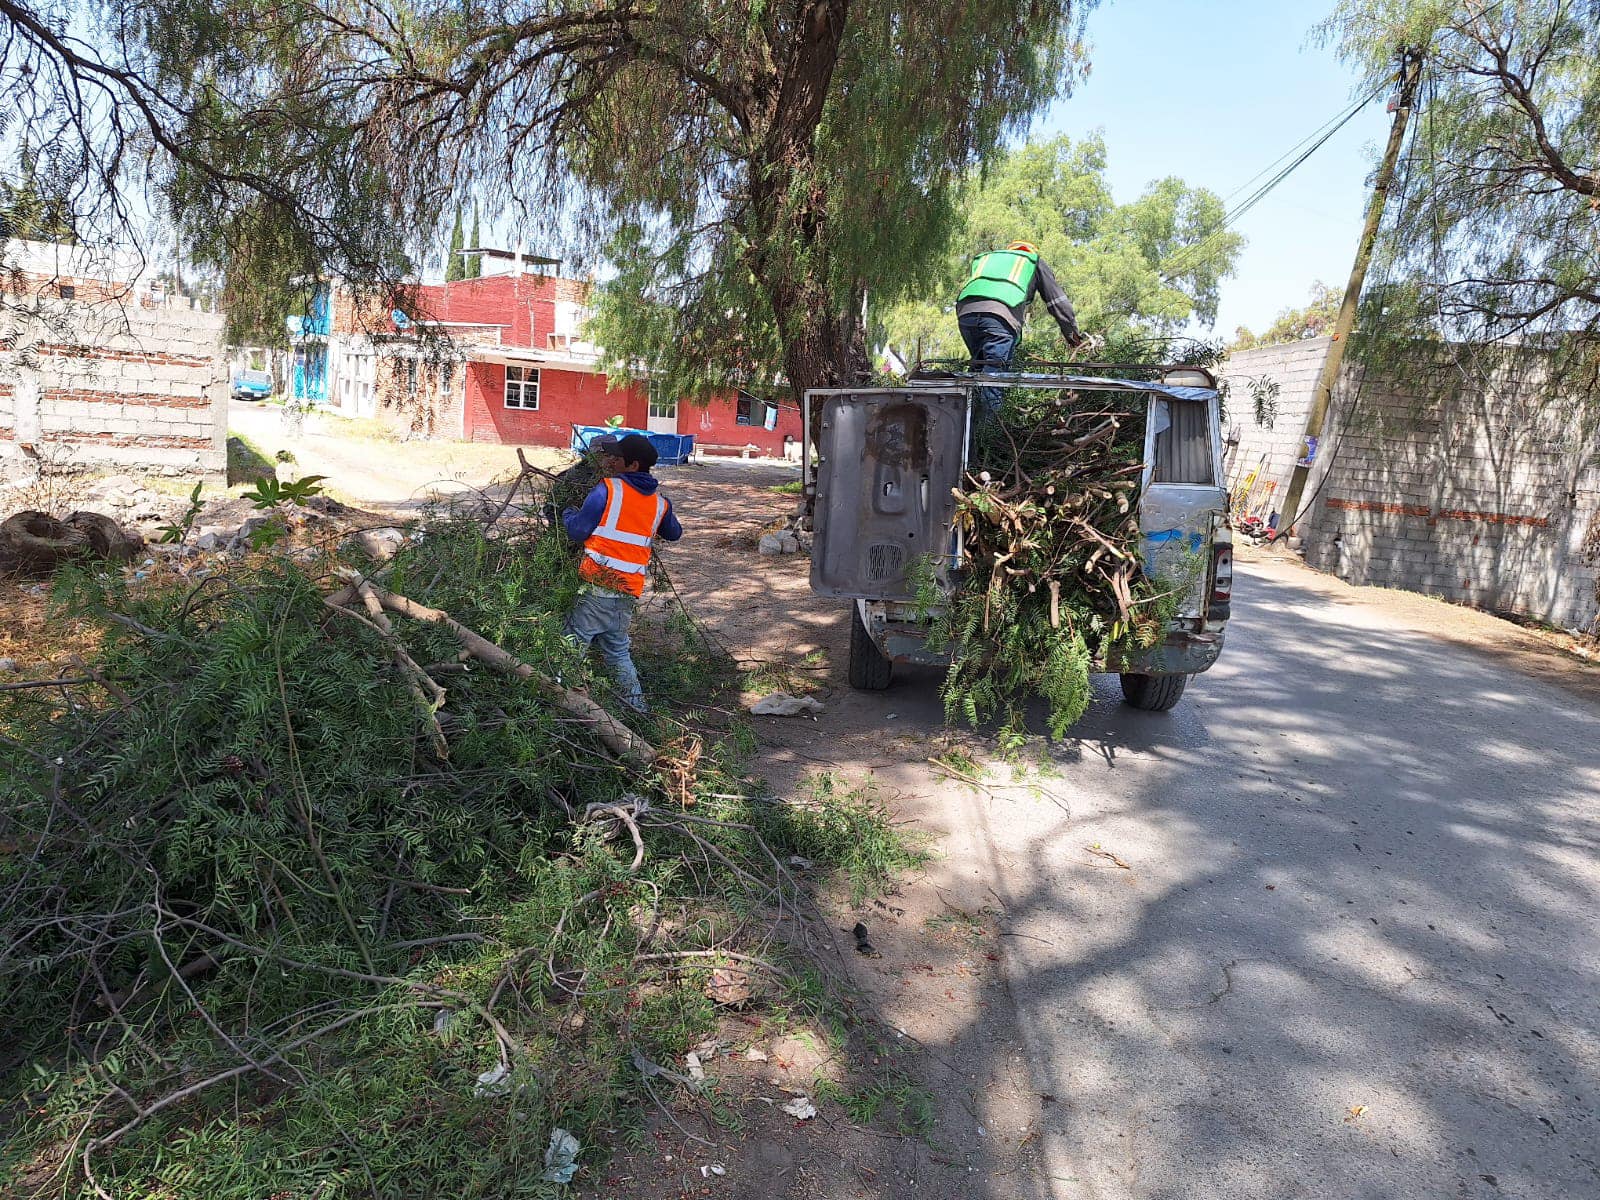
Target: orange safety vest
x: 617, y: 554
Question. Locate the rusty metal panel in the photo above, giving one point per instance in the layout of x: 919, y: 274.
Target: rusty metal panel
x: 889, y: 460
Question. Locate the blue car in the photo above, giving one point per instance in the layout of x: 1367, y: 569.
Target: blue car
x: 252, y: 385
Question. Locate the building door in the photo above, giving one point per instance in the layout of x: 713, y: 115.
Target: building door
x: 663, y: 412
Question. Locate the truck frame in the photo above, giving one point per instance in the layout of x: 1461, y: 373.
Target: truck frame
x: 880, y: 490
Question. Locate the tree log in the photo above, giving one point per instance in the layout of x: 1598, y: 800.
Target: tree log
x: 613, y: 734
x: 36, y: 543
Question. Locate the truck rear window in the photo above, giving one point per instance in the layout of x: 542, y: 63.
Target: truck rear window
x: 1182, y: 442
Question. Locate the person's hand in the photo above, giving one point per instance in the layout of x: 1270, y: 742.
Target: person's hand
x: 1091, y: 344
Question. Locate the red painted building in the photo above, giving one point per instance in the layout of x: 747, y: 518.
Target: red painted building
x: 526, y: 376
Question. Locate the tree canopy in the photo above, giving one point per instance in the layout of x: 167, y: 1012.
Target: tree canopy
x: 754, y: 167
x: 1493, y: 235
x: 1147, y: 267
x: 1315, y: 319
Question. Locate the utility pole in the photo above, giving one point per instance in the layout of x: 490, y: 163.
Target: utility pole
x: 1410, y: 76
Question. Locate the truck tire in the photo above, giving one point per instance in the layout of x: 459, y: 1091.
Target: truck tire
x: 1153, y: 693
x: 870, y: 670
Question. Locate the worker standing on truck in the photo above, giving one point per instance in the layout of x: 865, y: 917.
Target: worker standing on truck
x: 992, y: 306
x: 615, y: 526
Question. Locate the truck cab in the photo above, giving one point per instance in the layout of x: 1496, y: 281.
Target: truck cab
x: 881, y: 489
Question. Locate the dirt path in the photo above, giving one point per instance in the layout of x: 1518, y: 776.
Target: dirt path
x: 376, y: 472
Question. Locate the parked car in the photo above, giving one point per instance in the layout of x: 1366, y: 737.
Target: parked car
x: 251, y: 385
x: 881, y: 495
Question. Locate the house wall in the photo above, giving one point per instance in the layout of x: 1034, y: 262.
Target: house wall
x: 566, y: 398
x: 131, y: 387
x: 1473, y: 488
x: 716, y: 424
x: 524, y: 305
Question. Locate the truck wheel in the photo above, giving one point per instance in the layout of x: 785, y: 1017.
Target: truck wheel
x: 869, y: 668
x: 1153, y: 693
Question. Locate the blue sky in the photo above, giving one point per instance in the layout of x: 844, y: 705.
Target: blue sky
x: 1213, y: 93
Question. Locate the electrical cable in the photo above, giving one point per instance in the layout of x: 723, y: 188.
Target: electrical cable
x: 1186, y: 257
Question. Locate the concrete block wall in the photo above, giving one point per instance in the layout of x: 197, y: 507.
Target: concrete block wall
x: 1474, y: 489
x: 108, y: 385
x: 1462, y: 484
x: 1261, y: 457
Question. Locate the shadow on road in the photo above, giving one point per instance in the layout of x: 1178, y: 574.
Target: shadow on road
x: 1326, y: 929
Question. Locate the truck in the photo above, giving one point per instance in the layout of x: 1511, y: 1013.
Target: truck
x: 880, y: 485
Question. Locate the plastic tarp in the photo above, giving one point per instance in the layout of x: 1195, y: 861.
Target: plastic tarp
x: 671, y: 448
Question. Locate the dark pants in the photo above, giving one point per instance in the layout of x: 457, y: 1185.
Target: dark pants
x: 991, y: 341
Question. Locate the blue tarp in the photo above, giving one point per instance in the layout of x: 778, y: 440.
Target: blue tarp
x: 671, y: 448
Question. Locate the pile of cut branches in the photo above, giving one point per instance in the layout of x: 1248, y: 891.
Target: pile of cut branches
x: 1054, y: 581
x: 333, y: 876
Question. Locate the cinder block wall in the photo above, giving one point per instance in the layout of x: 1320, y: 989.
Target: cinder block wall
x: 1269, y: 451
x: 1467, y: 487
x: 136, y: 388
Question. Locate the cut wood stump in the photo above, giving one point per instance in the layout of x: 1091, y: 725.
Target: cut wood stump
x: 36, y: 543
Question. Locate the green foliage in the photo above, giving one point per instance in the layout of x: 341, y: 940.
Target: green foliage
x: 1489, y: 234
x: 1316, y: 319
x: 270, y: 491
x: 1143, y: 268
x: 250, y: 849
x: 177, y: 531
x: 246, y: 462
x: 455, y: 266
x: 1008, y: 641
x: 844, y: 824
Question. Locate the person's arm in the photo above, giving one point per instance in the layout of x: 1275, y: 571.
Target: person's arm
x: 669, y: 529
x: 1057, y: 304
x: 581, y: 522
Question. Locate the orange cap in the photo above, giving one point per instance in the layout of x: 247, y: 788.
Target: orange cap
x: 1026, y: 247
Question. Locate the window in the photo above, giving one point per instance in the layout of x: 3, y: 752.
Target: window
x: 67, y: 291
x: 522, y: 387
x: 750, y: 411
x: 662, y: 406
x: 1182, y: 442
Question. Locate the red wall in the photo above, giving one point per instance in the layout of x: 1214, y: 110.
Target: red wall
x: 523, y: 304
x: 715, y: 424
x: 566, y: 398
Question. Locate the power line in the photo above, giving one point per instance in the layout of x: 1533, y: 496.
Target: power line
x: 1301, y: 151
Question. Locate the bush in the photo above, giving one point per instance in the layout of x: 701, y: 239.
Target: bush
x: 259, y: 939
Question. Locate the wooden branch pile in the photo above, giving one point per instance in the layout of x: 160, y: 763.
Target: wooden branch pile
x: 1060, y: 519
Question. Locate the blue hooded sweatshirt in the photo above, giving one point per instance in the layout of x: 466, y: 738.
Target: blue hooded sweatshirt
x: 581, y: 522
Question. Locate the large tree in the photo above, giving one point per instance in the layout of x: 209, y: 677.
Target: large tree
x: 1144, y: 268
x: 765, y: 163
x: 1493, y: 233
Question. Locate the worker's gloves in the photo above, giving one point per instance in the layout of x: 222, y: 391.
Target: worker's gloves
x: 1090, y: 346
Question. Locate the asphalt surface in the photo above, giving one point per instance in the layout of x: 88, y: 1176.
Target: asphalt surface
x: 1354, y: 949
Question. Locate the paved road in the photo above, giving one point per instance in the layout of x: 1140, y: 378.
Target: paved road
x: 1357, y: 954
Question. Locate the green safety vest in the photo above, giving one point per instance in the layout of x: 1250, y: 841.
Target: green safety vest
x: 1003, y: 275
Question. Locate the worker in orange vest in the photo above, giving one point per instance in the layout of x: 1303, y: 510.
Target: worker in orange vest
x: 615, y: 526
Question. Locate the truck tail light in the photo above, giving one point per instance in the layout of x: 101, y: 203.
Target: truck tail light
x: 1221, y: 582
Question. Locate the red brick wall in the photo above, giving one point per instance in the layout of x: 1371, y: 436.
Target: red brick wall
x: 716, y: 424
x: 523, y: 304
x: 566, y: 398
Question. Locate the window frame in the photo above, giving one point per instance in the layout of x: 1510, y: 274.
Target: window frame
x: 744, y: 411
x: 659, y: 406
x: 526, y: 379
